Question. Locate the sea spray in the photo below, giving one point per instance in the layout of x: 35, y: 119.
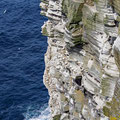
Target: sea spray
x: 43, y: 113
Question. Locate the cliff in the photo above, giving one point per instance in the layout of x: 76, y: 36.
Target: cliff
x: 83, y: 58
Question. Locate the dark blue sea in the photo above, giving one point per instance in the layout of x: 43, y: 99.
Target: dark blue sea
x: 23, y: 95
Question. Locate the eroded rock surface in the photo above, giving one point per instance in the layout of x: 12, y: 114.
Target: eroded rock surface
x: 83, y: 58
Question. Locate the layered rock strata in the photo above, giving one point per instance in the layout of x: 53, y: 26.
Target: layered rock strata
x: 83, y: 58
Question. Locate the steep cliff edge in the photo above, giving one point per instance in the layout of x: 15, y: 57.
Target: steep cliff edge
x: 83, y: 58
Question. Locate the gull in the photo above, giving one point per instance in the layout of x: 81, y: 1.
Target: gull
x: 5, y: 11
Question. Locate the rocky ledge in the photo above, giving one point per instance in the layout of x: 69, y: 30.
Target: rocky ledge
x: 83, y: 58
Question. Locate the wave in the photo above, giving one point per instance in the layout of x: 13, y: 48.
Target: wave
x: 38, y: 114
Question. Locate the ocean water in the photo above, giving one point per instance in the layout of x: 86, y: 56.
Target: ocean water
x: 22, y: 47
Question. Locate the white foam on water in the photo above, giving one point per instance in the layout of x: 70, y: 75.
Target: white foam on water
x: 45, y: 115
x: 42, y: 114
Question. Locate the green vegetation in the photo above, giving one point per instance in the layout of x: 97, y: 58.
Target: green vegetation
x: 43, y: 14
x: 111, y: 109
x: 73, y: 11
x: 118, y: 18
x: 79, y: 40
x: 44, y: 31
x: 44, y: 1
x: 95, y: 16
x: 57, y: 117
x: 119, y: 29
x: 96, y: 1
x: 106, y: 111
x: 105, y: 85
x: 106, y: 20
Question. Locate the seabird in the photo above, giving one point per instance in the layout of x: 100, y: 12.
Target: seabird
x: 5, y: 11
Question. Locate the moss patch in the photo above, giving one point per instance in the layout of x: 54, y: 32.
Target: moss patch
x: 111, y: 109
x: 57, y: 117
x: 73, y: 11
x: 44, y: 31
x: 44, y: 1
x: 119, y: 29
x: 106, y: 111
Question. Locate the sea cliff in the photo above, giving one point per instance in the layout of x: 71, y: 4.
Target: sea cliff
x: 82, y: 62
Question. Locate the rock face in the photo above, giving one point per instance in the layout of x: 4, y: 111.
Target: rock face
x: 83, y: 58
